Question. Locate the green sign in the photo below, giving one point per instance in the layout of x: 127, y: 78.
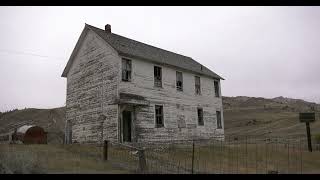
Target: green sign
x: 307, y: 117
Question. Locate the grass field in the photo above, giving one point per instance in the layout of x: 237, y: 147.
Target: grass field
x: 232, y: 157
x: 55, y: 159
x: 241, y: 159
x: 266, y: 122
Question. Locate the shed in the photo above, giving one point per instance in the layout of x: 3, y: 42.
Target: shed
x: 31, y: 134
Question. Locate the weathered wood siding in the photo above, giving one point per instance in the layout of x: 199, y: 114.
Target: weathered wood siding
x: 179, y: 108
x: 91, y: 80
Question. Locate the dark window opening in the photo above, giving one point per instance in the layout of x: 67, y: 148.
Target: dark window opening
x: 200, y: 117
x: 179, y: 81
x: 219, y: 124
x: 159, y: 116
x: 126, y: 70
x: 197, y: 85
x: 157, y: 76
x: 216, y: 88
x: 126, y: 126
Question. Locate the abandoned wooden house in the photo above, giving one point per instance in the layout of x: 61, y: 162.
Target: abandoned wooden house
x: 122, y: 90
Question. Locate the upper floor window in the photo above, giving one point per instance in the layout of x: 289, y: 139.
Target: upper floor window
x: 219, y: 124
x: 157, y: 76
x: 179, y: 81
x: 126, y: 70
x: 197, y: 85
x: 216, y: 88
x: 159, y: 115
x: 200, y: 117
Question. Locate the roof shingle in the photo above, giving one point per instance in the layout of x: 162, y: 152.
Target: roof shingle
x: 138, y: 49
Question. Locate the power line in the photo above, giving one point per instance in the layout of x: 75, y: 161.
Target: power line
x: 30, y: 54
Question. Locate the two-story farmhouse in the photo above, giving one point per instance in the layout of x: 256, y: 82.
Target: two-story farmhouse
x: 123, y: 90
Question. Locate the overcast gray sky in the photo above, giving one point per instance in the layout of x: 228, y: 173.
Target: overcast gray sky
x: 260, y: 51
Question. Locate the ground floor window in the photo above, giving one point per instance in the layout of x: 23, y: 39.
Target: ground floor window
x: 159, y: 115
x: 219, y: 124
x: 200, y: 117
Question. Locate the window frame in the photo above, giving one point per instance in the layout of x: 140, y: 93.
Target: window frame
x: 219, y: 121
x: 197, y: 86
x: 126, y: 66
x: 216, y: 88
x: 157, y: 82
x: 179, y: 88
x: 200, y: 116
x: 158, y: 125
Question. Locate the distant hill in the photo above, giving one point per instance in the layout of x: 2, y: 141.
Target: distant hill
x: 244, y: 102
x: 277, y: 117
x: 243, y: 115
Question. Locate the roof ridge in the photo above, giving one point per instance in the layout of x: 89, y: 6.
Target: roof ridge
x: 140, y: 42
x: 152, y: 46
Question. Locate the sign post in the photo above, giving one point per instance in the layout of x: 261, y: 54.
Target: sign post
x: 307, y: 118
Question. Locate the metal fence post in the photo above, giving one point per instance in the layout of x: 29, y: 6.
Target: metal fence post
x: 266, y: 151
x: 213, y: 171
x: 192, y: 162
x: 246, y: 156
x: 300, y: 147
x: 288, y: 158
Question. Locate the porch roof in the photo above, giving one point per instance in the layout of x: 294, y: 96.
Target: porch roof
x: 126, y: 98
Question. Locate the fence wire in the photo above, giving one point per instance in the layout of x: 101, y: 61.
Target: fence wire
x: 232, y: 155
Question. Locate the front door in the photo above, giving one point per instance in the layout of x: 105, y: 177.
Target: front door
x: 68, y: 133
x: 126, y: 126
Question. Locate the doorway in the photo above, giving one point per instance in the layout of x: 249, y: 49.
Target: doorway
x: 68, y: 133
x: 126, y: 126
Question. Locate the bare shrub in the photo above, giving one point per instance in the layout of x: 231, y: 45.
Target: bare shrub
x: 21, y: 162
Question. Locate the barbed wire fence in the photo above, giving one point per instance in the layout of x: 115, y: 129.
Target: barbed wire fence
x: 234, y: 155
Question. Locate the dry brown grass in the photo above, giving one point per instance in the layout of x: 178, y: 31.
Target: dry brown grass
x: 229, y: 158
x: 55, y: 159
x: 241, y: 159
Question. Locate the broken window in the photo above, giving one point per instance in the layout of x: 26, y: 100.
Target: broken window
x: 126, y: 70
x: 197, y: 85
x: 159, y: 116
x: 200, y: 117
x: 216, y: 88
x: 219, y: 124
x: 181, y: 121
x: 179, y: 81
x: 157, y: 76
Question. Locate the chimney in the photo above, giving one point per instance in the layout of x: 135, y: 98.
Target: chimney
x: 108, y: 28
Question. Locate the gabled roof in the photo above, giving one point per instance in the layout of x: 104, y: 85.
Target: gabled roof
x: 131, y: 48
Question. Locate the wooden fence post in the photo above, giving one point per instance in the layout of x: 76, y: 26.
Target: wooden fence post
x: 309, y: 137
x: 105, y: 150
x: 142, y: 161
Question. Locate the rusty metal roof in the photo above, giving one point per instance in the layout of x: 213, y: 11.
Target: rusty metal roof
x: 24, y: 129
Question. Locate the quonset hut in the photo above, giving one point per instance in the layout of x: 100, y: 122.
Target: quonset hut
x: 30, y: 134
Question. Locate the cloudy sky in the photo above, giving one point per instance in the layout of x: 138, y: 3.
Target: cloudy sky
x: 260, y: 51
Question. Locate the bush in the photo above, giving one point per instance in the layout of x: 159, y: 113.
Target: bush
x: 23, y: 162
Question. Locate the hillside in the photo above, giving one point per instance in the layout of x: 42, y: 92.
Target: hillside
x: 277, y: 117
x: 254, y: 116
